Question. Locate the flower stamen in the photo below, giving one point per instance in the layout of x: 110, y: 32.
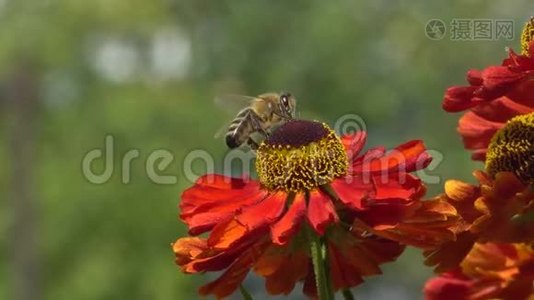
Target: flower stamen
x: 299, y: 156
x: 527, y: 35
x: 512, y: 149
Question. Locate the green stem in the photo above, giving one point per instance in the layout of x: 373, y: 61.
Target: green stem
x: 244, y: 293
x: 318, y: 253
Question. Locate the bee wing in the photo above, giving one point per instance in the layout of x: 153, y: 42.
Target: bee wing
x: 221, y: 131
x: 232, y: 104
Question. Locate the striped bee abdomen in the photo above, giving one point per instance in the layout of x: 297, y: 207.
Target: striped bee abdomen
x: 240, y: 129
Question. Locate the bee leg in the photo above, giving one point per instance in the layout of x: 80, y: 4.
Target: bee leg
x: 252, y: 144
x: 256, y: 124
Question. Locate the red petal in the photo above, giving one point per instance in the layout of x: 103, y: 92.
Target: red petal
x: 503, y: 109
x: 187, y: 249
x: 283, y: 230
x: 500, y: 78
x: 353, y: 258
x: 402, y: 186
x: 354, y: 143
x: 408, y: 157
x: 451, y: 285
x: 353, y: 190
x: 387, y: 212
x: 226, y: 234
x: 474, y: 77
x: 213, y: 260
x: 477, y: 132
x: 250, y: 223
x: 362, y: 162
x: 230, y: 280
x: 265, y: 212
x: 293, y: 268
x: 309, y: 288
x: 479, y: 154
x: 523, y: 94
x: 450, y: 254
x: 344, y: 275
x: 321, y: 212
x: 520, y: 63
x: 459, y: 98
x: 530, y: 49
x: 214, y: 198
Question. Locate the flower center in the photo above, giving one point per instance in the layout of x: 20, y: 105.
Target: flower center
x: 527, y: 35
x: 512, y: 149
x: 300, y: 155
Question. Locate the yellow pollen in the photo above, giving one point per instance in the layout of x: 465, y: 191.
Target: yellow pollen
x: 512, y: 149
x: 297, y: 168
x: 527, y: 35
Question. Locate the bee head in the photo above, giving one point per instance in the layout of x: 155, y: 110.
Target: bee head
x: 287, y: 105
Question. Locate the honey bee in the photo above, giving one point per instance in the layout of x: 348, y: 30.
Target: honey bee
x: 259, y: 118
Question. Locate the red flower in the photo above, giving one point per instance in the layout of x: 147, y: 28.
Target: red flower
x: 363, y: 211
x: 490, y: 271
x: 510, y: 80
x: 497, y: 210
x: 493, y: 96
x: 492, y: 255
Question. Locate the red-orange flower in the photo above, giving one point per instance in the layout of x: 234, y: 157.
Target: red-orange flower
x: 490, y: 271
x: 496, y: 210
x: 494, y: 95
x: 365, y: 207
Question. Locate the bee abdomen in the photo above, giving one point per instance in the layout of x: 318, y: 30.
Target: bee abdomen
x: 238, y: 130
x: 231, y: 141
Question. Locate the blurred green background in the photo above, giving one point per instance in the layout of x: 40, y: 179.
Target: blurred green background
x: 146, y: 72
